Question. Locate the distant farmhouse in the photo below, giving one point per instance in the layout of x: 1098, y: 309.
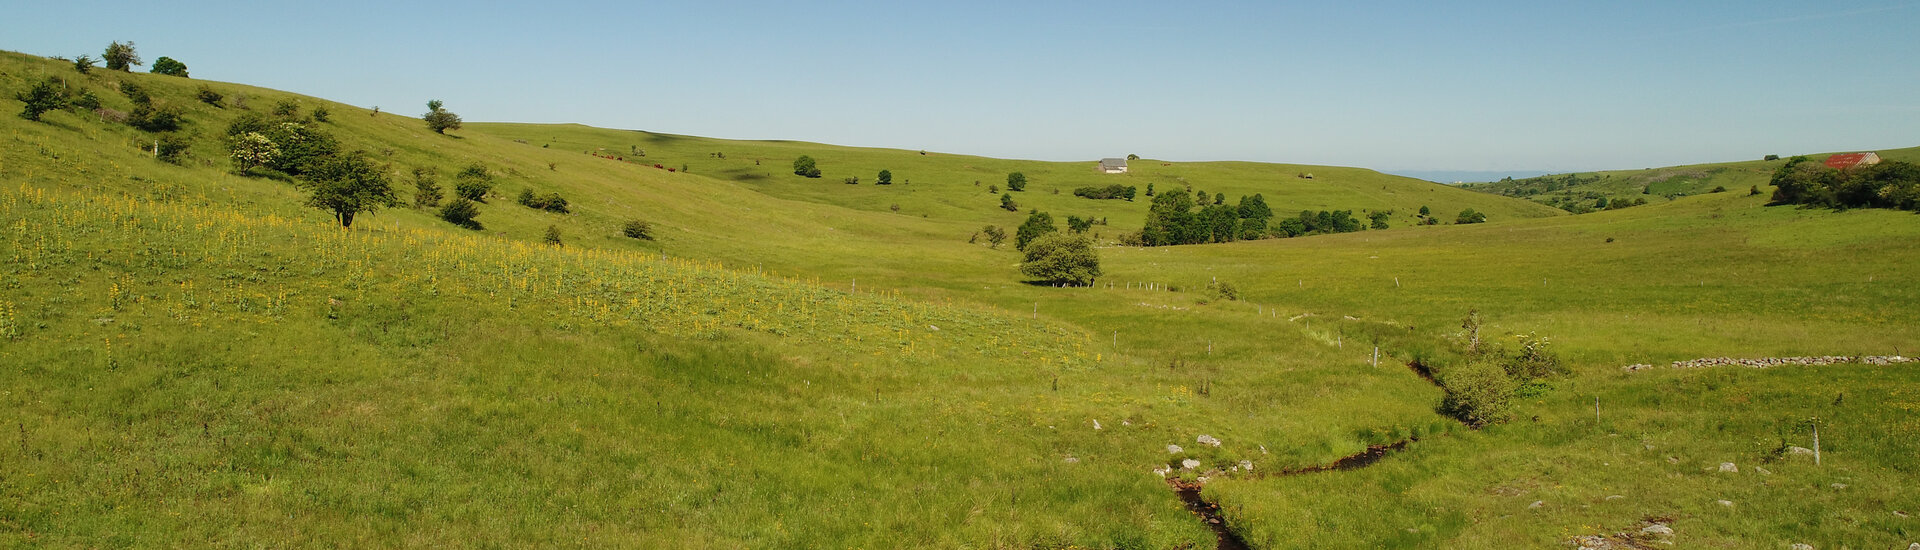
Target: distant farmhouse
x: 1113, y: 166
x: 1844, y: 161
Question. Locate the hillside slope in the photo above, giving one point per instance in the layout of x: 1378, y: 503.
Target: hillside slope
x: 1583, y: 191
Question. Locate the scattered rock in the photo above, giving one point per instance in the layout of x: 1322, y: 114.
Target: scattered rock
x: 1673, y: 460
x: 1801, y: 546
x: 1799, y: 451
x: 1175, y: 449
x: 1839, y: 486
x: 1729, y: 467
x: 1207, y: 440
x: 1636, y: 367
x: 933, y: 328
x: 1246, y: 465
x: 1536, y: 505
x: 1914, y: 546
x: 1072, y: 460
x: 1657, y: 530
x: 1614, y: 497
x: 1770, y: 362
x: 1096, y: 424
x: 1263, y: 449
x: 1763, y: 471
x: 1726, y: 503
x: 1189, y: 464
x: 1163, y: 470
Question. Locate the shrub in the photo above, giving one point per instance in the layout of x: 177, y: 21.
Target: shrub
x: 349, y: 184
x: 170, y: 147
x: 121, y: 57
x: 1751, y: 191
x: 1061, y: 258
x: 1771, y: 157
x: 83, y: 64
x: 87, y: 101
x: 135, y: 92
x: 1222, y: 290
x: 637, y: 229
x: 1535, y: 359
x: 156, y: 118
x: 473, y: 183
x: 1017, y: 181
x: 208, y: 96
x: 250, y: 150
x: 286, y: 109
x: 1006, y: 203
x: 806, y: 167
x: 1719, y: 189
x: 552, y: 236
x: 885, y: 178
x: 551, y: 202
x: 1478, y: 394
x: 995, y: 235
x: 1470, y: 216
x: 170, y: 67
x: 853, y: 180
x: 1037, y: 224
x: 1077, y: 224
x: 1131, y: 156
x: 439, y: 119
x: 426, y: 188
x: 321, y: 113
x: 47, y: 95
x: 1115, y: 191
x: 461, y: 212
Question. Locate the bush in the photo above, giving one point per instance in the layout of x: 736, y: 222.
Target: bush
x: 156, y: 118
x: 47, y: 95
x: 551, y: 202
x: 1006, y: 203
x: 885, y: 178
x: 87, y: 101
x: 1061, y: 258
x: 1535, y: 359
x: 1478, y: 394
x: 853, y: 180
x: 552, y: 236
x: 208, y: 96
x: 995, y: 235
x: 1222, y: 290
x: 1470, y: 216
x: 426, y: 188
x: 438, y: 119
x: 321, y: 113
x: 461, y: 212
x: 1016, y: 182
x: 121, y: 57
x: 1719, y: 189
x: 170, y: 67
x: 1771, y: 157
x: 806, y: 167
x: 1037, y: 224
x: 135, y: 92
x: 83, y: 64
x: 637, y: 229
x: 1115, y: 191
x: 473, y: 183
x: 170, y: 147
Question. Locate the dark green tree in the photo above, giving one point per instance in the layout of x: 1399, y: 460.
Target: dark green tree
x: 208, y: 96
x: 170, y: 67
x: 1379, y: 219
x: 121, y: 57
x: 1061, y: 258
x: 84, y: 64
x: 1006, y: 202
x: 47, y: 95
x: 995, y: 235
x: 1170, y: 220
x: 552, y: 236
x: 1016, y: 182
x: 1470, y: 216
x: 350, y: 184
x: 1077, y: 224
x: 1038, y: 223
x: 439, y: 119
x: 426, y: 188
x: 806, y: 167
x: 637, y: 229
x: 885, y: 178
x: 473, y: 183
x: 461, y: 212
x: 1425, y: 212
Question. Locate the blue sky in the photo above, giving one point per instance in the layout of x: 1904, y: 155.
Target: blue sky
x: 1557, y: 86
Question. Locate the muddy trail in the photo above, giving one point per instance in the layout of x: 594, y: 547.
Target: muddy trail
x: 1209, y: 513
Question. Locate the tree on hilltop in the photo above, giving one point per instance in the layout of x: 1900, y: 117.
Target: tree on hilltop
x: 121, y: 57
x: 439, y: 119
x: 170, y: 67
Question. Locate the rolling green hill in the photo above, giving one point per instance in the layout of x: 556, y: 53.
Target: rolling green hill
x: 196, y: 359
x: 1583, y: 191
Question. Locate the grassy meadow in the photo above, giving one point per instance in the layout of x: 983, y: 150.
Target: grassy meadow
x: 195, y: 359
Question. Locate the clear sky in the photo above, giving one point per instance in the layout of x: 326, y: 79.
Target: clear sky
x: 1557, y: 86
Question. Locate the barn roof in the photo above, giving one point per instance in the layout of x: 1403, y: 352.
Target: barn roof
x: 1849, y: 160
x: 1113, y: 163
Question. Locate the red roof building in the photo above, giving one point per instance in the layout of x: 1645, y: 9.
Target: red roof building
x: 1844, y: 161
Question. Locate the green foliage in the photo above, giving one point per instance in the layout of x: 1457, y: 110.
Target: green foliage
x: 426, y: 188
x: 552, y: 236
x: 1534, y: 360
x: 321, y: 113
x: 287, y: 147
x: 1037, y: 224
x: 439, y: 119
x: 551, y: 202
x: 1115, y: 191
x: 1470, y: 216
x: 1131, y: 156
x: 251, y: 150
x: 206, y: 95
x: 121, y: 57
x: 473, y: 183
x: 1379, y: 219
x: 1060, y: 258
x: 1006, y: 203
x: 156, y: 117
x: 806, y: 167
x: 1222, y: 290
x: 87, y: 101
x: 287, y: 109
x: 46, y: 95
x: 135, y: 92
x: 1771, y: 158
x: 462, y: 212
x: 348, y: 185
x: 885, y: 178
x: 1077, y: 224
x: 1016, y: 182
x: 853, y: 180
x: 1478, y: 393
x: 1890, y: 184
x: 995, y: 235
x: 170, y: 67
x: 170, y: 147
x: 637, y: 229
x: 84, y: 64
x: 1425, y: 212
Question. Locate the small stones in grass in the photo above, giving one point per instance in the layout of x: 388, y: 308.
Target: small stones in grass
x: 1799, y: 451
x: 1614, y: 497
x: 1536, y: 505
x: 1175, y: 449
x: 1729, y: 467
x: 1726, y: 503
x: 1189, y: 464
x: 1914, y: 546
x: 1657, y: 530
x: 1801, y: 546
x: 1207, y: 440
x: 1072, y: 460
x: 1246, y: 465
x: 1900, y: 514
x: 1163, y: 470
x: 1763, y: 470
x: 1839, y: 486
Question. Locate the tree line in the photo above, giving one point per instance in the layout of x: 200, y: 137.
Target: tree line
x: 1891, y: 184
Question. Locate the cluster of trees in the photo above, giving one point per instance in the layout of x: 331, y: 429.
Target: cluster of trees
x: 1322, y: 222
x: 1115, y: 191
x: 1171, y: 219
x: 551, y: 202
x: 287, y: 145
x: 1050, y: 256
x: 1891, y: 184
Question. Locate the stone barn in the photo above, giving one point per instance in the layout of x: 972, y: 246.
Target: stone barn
x: 1113, y: 166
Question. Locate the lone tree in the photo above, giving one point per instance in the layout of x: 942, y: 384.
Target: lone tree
x: 48, y: 95
x: 995, y: 235
x: 350, y: 184
x: 170, y: 67
x: 121, y: 57
x: 1038, y: 223
x: 426, y: 188
x: 1017, y: 181
x: 1006, y: 203
x: 1062, y: 258
x: 885, y: 178
x: 804, y: 166
x: 461, y: 212
x: 473, y: 183
x: 84, y: 64
x: 440, y: 120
